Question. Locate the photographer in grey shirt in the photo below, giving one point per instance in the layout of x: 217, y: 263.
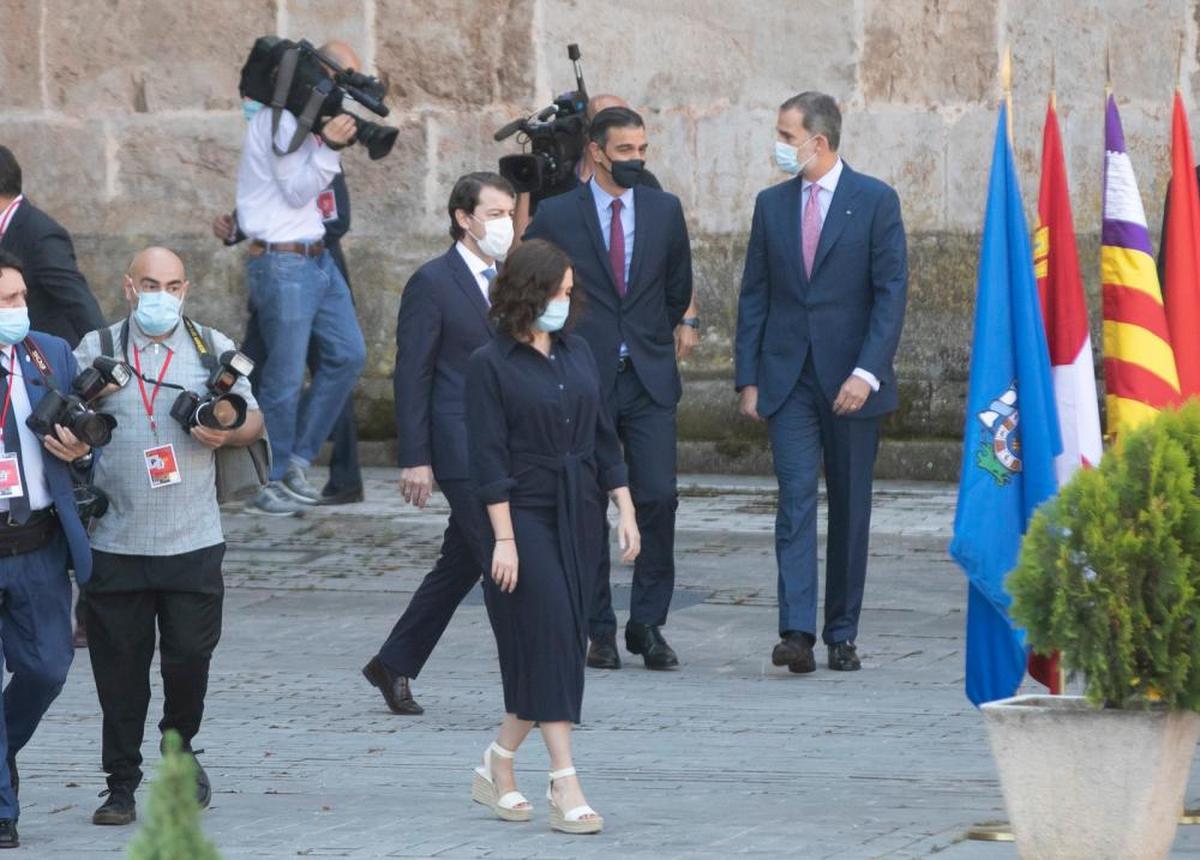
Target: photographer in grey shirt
x: 157, y: 553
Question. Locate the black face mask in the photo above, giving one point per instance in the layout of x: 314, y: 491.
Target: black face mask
x: 627, y: 173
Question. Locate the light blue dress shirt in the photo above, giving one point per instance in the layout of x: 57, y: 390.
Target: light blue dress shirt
x: 604, y: 211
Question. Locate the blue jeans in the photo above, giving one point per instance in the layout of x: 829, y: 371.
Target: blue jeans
x: 35, y: 632
x: 296, y: 299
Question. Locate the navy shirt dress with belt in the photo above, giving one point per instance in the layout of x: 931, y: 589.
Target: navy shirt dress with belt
x: 540, y: 439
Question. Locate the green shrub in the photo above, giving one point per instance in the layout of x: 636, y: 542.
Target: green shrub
x: 1109, y: 573
x: 172, y: 827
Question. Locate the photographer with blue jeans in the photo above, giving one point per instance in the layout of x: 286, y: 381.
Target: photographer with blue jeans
x: 297, y: 294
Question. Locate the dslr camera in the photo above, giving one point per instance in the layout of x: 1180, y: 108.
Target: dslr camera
x: 312, y: 86
x: 556, y: 136
x: 218, y: 408
x: 74, y: 411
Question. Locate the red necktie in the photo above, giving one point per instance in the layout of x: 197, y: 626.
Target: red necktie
x: 616, y: 247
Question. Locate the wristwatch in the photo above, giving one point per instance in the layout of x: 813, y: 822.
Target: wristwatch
x: 694, y: 322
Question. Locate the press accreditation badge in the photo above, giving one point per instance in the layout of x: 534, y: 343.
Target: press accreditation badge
x: 161, y: 466
x: 327, y: 203
x: 10, y: 477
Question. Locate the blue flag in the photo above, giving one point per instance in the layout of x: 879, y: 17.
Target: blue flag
x: 1011, y: 436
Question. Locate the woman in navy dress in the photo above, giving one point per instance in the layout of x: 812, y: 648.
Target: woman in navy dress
x: 543, y: 453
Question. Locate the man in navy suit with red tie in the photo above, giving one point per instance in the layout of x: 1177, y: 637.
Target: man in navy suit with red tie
x: 629, y: 245
x: 819, y: 319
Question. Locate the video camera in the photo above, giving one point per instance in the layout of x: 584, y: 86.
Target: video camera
x: 282, y: 74
x: 556, y: 135
x: 74, y: 410
x: 217, y: 408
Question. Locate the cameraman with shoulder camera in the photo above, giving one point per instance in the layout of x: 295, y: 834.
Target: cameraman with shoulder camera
x: 297, y: 295
x: 158, y: 551
x: 41, y: 534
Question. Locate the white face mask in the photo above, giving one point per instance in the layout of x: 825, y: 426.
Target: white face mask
x: 497, y: 236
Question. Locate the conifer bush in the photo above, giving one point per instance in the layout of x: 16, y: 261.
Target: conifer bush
x: 172, y: 828
x: 1109, y: 572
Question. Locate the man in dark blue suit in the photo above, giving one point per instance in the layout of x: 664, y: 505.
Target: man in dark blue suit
x: 40, y: 532
x: 443, y: 319
x: 819, y: 319
x: 634, y: 263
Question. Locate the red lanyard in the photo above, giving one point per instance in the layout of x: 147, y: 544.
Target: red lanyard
x: 12, y: 367
x: 148, y: 402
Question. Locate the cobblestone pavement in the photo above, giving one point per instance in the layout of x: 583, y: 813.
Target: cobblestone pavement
x: 728, y: 756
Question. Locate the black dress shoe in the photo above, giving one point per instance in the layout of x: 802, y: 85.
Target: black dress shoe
x: 395, y: 688
x: 795, y: 650
x: 203, y: 784
x: 843, y: 657
x: 117, y: 809
x: 8, y: 834
x: 647, y: 640
x: 331, y: 496
x: 603, y: 654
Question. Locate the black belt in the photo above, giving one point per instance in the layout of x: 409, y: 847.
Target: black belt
x: 624, y: 363
x: 33, y: 534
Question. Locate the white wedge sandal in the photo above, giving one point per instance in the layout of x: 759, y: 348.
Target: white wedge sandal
x: 483, y: 790
x: 571, y: 821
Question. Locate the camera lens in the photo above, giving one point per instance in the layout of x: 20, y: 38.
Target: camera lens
x: 93, y: 428
x: 222, y: 413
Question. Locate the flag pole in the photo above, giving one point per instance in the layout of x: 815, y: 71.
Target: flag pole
x: 999, y: 831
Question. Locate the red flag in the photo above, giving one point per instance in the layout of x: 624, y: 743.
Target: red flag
x: 1064, y: 313
x: 1182, y: 269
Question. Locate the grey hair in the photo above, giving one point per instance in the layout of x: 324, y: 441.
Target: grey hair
x: 821, y: 115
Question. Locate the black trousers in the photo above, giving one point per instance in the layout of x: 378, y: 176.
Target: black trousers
x: 461, y: 563
x: 647, y: 432
x: 127, y: 596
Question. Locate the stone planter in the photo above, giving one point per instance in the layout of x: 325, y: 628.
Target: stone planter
x: 1086, y: 783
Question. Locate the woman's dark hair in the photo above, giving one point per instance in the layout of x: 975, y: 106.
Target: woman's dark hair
x: 530, y: 277
x: 10, y: 173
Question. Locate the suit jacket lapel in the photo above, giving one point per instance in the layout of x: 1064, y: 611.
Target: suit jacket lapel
x: 588, y: 204
x: 466, y: 282
x: 841, y: 211
x: 35, y: 386
x: 791, y: 227
x: 641, y: 226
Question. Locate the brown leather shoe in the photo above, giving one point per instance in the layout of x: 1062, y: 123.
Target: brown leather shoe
x: 795, y: 650
x: 395, y: 688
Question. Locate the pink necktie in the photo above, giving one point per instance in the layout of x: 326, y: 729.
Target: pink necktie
x: 616, y: 247
x: 810, y: 230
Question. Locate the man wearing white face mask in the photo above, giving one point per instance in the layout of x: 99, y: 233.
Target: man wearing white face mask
x: 443, y: 319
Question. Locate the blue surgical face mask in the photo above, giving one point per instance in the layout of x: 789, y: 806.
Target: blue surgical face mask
x: 787, y: 157
x: 157, y: 312
x: 250, y: 107
x: 14, y: 325
x: 555, y: 315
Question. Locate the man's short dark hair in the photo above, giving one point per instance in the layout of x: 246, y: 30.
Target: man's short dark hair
x: 610, y: 118
x: 10, y: 173
x: 9, y: 260
x: 466, y: 193
x: 821, y: 115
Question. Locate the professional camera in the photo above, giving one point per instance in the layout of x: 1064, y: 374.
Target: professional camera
x: 312, y: 86
x: 218, y: 408
x: 74, y: 410
x: 556, y: 135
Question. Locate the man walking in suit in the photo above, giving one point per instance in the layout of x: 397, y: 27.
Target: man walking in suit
x: 631, y: 254
x: 60, y: 302
x: 819, y: 319
x: 40, y: 532
x: 443, y: 319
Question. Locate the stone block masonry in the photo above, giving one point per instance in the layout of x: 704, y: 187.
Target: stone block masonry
x: 125, y: 116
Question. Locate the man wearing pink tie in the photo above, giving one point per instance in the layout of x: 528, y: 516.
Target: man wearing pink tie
x: 819, y: 319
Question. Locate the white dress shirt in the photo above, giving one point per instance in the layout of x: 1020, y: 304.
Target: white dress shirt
x: 827, y: 185
x: 277, y: 195
x: 37, y: 489
x: 477, y: 267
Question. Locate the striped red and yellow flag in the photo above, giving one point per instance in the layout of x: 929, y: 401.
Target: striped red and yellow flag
x: 1139, y: 364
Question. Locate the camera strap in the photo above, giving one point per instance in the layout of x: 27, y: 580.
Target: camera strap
x: 200, y: 340
x: 39, y: 361
x: 312, y: 108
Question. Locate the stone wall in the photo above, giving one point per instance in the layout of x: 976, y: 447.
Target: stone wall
x: 125, y: 116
